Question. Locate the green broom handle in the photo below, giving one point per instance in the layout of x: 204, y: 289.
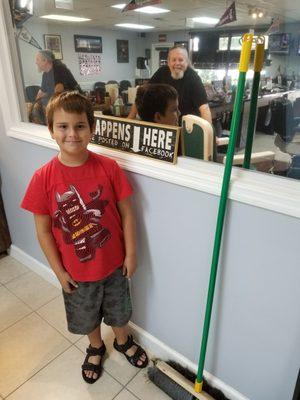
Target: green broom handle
x: 258, y: 63
x: 244, y: 61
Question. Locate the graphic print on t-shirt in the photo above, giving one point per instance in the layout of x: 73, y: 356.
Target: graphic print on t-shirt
x: 80, y: 222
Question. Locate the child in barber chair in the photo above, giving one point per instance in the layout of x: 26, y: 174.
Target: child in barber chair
x: 158, y: 102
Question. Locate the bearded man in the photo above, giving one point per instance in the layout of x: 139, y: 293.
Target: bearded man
x: 190, y: 89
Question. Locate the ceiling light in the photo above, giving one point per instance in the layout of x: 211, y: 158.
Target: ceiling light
x: 65, y: 18
x: 256, y: 12
x: 134, y: 26
x: 152, y: 10
x: 206, y: 20
x: 120, y: 6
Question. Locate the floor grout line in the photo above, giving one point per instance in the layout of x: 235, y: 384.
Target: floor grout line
x: 16, y: 322
x: 71, y: 344
x: 33, y: 309
x: 46, y: 365
x: 58, y: 331
x: 21, y: 274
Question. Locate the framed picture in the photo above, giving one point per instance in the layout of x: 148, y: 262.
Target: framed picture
x: 53, y: 43
x: 122, y: 51
x: 88, y: 44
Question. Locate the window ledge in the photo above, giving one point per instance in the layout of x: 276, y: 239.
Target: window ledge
x: 257, y: 189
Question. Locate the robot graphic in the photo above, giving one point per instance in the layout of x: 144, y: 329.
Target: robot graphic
x: 80, y: 222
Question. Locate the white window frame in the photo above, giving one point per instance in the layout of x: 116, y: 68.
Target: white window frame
x: 257, y: 189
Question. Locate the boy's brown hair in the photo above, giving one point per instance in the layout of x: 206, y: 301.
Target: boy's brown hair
x: 72, y: 102
x: 155, y: 98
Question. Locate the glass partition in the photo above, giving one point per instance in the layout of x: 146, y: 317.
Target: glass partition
x: 105, y: 59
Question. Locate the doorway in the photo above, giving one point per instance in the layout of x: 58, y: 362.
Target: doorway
x: 159, y: 54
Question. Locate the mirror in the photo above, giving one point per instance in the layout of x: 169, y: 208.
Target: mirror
x: 99, y: 51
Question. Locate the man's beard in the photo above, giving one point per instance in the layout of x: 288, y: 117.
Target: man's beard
x: 177, y: 74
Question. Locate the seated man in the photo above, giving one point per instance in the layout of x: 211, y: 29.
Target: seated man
x: 55, y: 79
x: 158, y: 103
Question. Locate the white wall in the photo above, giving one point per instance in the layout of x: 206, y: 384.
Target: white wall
x: 254, y: 337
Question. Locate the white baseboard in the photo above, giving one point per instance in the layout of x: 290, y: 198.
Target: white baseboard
x: 35, y: 265
x: 157, y: 348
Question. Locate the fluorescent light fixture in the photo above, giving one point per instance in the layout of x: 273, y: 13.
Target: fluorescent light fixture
x: 65, y: 18
x: 134, y: 26
x: 206, y: 20
x: 66, y: 4
x: 120, y: 6
x: 152, y: 10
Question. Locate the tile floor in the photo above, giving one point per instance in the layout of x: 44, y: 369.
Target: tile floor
x: 40, y: 359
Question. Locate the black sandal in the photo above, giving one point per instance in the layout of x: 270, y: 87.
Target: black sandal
x: 96, y: 368
x: 122, y: 348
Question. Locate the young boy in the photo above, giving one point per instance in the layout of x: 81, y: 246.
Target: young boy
x: 158, y: 102
x: 85, y: 226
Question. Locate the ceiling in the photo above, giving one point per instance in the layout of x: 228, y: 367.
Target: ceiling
x: 104, y: 16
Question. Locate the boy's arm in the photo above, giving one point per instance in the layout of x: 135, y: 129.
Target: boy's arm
x: 48, y: 245
x: 128, y: 225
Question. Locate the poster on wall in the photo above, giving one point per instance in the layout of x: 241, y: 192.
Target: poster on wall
x: 87, y: 44
x: 89, y: 64
x: 53, y: 43
x: 122, y: 51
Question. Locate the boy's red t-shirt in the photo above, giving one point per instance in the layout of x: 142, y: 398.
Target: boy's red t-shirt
x: 82, y: 202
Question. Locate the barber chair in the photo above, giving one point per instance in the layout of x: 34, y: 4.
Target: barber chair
x: 286, y: 126
x: 287, y: 129
x: 197, y: 138
x: 296, y: 107
x: 198, y: 141
x: 132, y: 94
x: 31, y: 92
x: 123, y: 88
x: 124, y: 85
x: 112, y: 82
x: 99, y: 85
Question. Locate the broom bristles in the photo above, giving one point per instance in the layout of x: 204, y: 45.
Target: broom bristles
x: 217, y: 394
x: 167, y: 385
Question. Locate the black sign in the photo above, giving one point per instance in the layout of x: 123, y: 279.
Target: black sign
x: 151, y: 140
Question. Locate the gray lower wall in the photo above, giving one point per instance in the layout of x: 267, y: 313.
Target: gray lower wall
x: 254, y: 344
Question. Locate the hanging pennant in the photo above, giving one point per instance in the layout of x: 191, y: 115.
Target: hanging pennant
x: 27, y: 37
x: 228, y: 16
x: 274, y: 27
x: 134, y: 4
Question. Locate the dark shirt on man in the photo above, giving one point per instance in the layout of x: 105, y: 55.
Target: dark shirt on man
x: 58, y: 74
x: 191, y: 92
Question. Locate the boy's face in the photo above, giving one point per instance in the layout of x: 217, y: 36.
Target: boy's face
x: 71, y: 132
x: 171, y: 114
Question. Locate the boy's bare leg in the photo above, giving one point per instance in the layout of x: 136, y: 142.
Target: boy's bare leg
x: 121, y: 333
x: 95, y: 341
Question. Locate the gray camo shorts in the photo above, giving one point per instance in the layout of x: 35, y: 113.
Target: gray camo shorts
x: 107, y: 299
